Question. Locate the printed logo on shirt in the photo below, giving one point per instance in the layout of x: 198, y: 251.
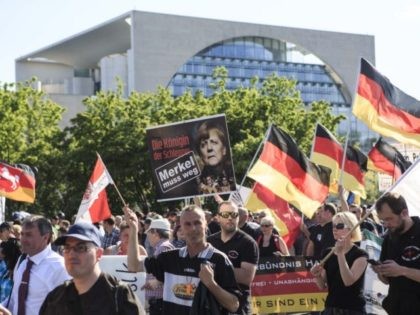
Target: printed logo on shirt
x: 233, y: 254
x: 319, y: 237
x: 184, y: 291
x: 411, y: 253
x: 179, y: 289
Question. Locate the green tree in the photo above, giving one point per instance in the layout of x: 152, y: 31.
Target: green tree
x: 30, y: 134
x: 115, y: 127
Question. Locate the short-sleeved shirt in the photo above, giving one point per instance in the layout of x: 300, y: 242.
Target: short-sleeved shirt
x: 340, y: 296
x: 404, y: 249
x: 322, y: 237
x: 239, y: 248
x: 252, y: 230
x: 179, y: 273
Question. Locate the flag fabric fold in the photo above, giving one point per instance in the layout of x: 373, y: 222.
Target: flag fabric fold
x: 17, y: 183
x: 385, y: 158
x: 287, y: 221
x: 386, y: 109
x: 288, y: 173
x: 94, y: 206
x: 407, y: 185
x: 328, y: 152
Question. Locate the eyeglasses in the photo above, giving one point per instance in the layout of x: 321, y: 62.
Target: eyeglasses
x: 339, y: 226
x: 226, y: 215
x: 266, y: 225
x: 78, y: 248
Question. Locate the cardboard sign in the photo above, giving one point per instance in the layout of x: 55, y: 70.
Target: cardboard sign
x: 191, y: 158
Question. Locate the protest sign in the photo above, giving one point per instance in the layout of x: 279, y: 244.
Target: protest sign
x: 191, y: 158
x: 374, y: 289
x: 285, y: 284
x: 117, y: 266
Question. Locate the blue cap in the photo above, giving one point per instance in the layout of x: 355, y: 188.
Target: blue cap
x: 83, y: 231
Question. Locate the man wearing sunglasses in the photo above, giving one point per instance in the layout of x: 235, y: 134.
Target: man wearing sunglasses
x: 90, y: 291
x: 241, y: 249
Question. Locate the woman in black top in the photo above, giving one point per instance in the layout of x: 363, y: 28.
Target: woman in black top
x: 269, y: 243
x: 343, y: 273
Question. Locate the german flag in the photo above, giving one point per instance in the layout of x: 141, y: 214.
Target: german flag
x: 287, y: 220
x: 385, y: 158
x: 327, y: 151
x: 288, y: 173
x: 385, y: 108
x: 17, y: 183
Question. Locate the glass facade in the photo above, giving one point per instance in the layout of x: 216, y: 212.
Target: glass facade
x: 248, y: 57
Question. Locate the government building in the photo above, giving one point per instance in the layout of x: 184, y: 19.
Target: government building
x: 146, y: 50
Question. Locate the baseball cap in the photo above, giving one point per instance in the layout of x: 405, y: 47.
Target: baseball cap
x: 83, y: 231
x: 5, y: 226
x: 159, y: 224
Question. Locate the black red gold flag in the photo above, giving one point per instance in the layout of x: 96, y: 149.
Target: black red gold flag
x: 386, y: 109
x: 385, y: 158
x: 287, y: 172
x: 287, y: 220
x: 327, y: 151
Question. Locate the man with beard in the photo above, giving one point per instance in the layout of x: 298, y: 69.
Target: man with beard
x: 241, y: 249
x: 400, y: 256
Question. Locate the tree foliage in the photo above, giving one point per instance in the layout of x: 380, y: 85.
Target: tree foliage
x: 30, y: 134
x: 115, y: 127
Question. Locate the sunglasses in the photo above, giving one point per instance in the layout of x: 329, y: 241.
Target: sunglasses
x: 266, y: 225
x: 339, y: 226
x: 78, y: 248
x: 226, y: 215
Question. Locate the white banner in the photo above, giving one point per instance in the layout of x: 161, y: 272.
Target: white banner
x: 117, y: 266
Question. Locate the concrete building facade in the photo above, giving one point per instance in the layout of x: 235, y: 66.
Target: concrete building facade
x: 148, y: 49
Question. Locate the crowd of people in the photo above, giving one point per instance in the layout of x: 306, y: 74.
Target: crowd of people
x: 199, y: 262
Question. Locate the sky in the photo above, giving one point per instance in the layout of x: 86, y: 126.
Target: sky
x: 28, y: 25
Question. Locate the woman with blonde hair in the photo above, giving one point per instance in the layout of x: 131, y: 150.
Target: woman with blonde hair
x: 344, y: 271
x: 268, y: 242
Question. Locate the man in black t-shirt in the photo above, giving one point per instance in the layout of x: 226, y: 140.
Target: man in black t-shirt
x: 321, y: 236
x: 90, y: 291
x: 240, y: 248
x: 184, y: 270
x: 251, y: 228
x: 400, y: 256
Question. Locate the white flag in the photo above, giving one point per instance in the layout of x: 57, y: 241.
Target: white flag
x: 408, y: 187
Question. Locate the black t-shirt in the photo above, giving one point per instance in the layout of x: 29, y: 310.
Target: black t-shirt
x: 254, y: 232
x: 273, y: 246
x: 240, y: 248
x: 339, y: 295
x: 179, y: 274
x: 403, y: 294
x: 322, y: 237
x: 102, y: 298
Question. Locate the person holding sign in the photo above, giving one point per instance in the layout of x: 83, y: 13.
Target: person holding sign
x: 188, y: 270
x: 213, y: 149
x: 343, y: 273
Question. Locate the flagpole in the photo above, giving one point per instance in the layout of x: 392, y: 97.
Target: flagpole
x: 363, y: 218
x: 113, y: 183
x: 340, y: 182
x: 254, y: 158
x: 368, y: 212
x: 313, y: 141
